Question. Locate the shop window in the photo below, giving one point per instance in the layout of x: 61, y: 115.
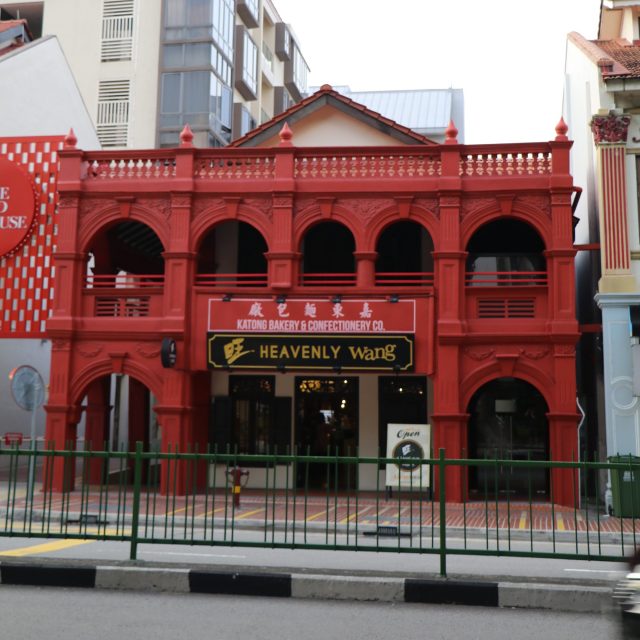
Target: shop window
x: 251, y: 419
x: 401, y: 400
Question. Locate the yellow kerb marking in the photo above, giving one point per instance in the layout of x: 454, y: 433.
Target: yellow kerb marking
x: 248, y: 513
x: 316, y: 515
x: 560, y: 522
x: 523, y: 520
x: 57, y: 545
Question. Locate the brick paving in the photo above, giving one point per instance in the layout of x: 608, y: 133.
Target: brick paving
x: 343, y: 511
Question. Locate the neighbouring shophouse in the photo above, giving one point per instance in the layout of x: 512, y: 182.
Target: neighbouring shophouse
x: 329, y: 273
x: 145, y: 68
x: 39, y: 104
x: 602, y: 108
x: 425, y: 111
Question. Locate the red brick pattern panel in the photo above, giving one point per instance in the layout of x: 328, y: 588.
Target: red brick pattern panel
x: 26, y: 276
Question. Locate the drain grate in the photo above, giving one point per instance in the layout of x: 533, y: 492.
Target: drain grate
x: 388, y: 532
x: 87, y: 518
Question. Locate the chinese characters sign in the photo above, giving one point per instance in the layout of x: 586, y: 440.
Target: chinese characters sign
x: 300, y: 351
x: 315, y: 316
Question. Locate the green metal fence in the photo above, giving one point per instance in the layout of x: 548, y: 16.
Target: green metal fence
x: 335, y: 502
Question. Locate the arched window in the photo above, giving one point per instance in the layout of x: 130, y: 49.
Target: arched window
x: 327, y: 255
x: 404, y: 255
x: 125, y: 271
x: 508, y: 421
x: 505, y: 252
x: 233, y: 252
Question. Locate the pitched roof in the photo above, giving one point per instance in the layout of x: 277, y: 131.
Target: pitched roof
x: 326, y: 95
x: 13, y: 34
x: 617, y: 58
x: 623, y: 52
x: 420, y: 109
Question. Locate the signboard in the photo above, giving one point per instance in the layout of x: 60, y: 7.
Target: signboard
x: 408, y: 443
x: 337, y: 316
x: 168, y: 353
x: 17, y: 207
x: 299, y: 351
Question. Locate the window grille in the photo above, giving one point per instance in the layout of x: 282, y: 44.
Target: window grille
x: 113, y: 112
x: 117, y: 30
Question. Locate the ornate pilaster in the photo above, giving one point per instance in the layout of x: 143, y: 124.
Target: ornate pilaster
x: 610, y: 136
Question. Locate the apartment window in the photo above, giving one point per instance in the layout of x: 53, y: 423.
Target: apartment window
x: 248, y: 10
x: 113, y: 112
x: 300, y: 70
x: 247, y: 122
x: 188, y: 19
x: 281, y: 100
x: 201, y: 54
x: 223, y: 23
x: 250, y: 66
x: 283, y: 42
x: 117, y: 30
x: 198, y: 98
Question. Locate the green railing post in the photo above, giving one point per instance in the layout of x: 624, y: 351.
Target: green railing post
x: 135, y: 515
x: 443, y: 516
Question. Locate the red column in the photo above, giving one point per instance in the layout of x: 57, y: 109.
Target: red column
x: 563, y: 437
x: 176, y: 417
x: 59, y: 474
x: 366, y: 268
x: 450, y: 434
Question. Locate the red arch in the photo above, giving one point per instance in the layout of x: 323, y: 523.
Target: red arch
x: 424, y: 217
x: 535, y: 218
x: 312, y: 216
x: 492, y: 371
x: 210, y: 218
x: 104, y: 367
x: 103, y: 219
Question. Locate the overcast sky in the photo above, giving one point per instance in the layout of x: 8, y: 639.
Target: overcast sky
x: 507, y: 55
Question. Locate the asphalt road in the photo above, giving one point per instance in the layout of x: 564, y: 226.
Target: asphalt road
x: 320, y: 560
x: 58, y: 613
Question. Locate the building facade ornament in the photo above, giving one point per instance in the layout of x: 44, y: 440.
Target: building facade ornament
x: 610, y: 129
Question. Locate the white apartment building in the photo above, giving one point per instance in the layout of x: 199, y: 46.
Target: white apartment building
x: 148, y: 67
x: 602, y: 110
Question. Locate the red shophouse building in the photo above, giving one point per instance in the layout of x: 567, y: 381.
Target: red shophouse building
x: 255, y: 297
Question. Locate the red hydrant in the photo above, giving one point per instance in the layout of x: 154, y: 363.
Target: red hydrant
x: 236, y: 474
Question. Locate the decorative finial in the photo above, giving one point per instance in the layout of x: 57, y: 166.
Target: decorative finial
x: 285, y: 136
x: 561, y: 130
x: 326, y: 87
x: 451, y: 134
x: 186, y: 136
x: 70, y: 140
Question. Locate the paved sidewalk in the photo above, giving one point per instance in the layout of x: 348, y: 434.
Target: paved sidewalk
x: 346, y: 511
